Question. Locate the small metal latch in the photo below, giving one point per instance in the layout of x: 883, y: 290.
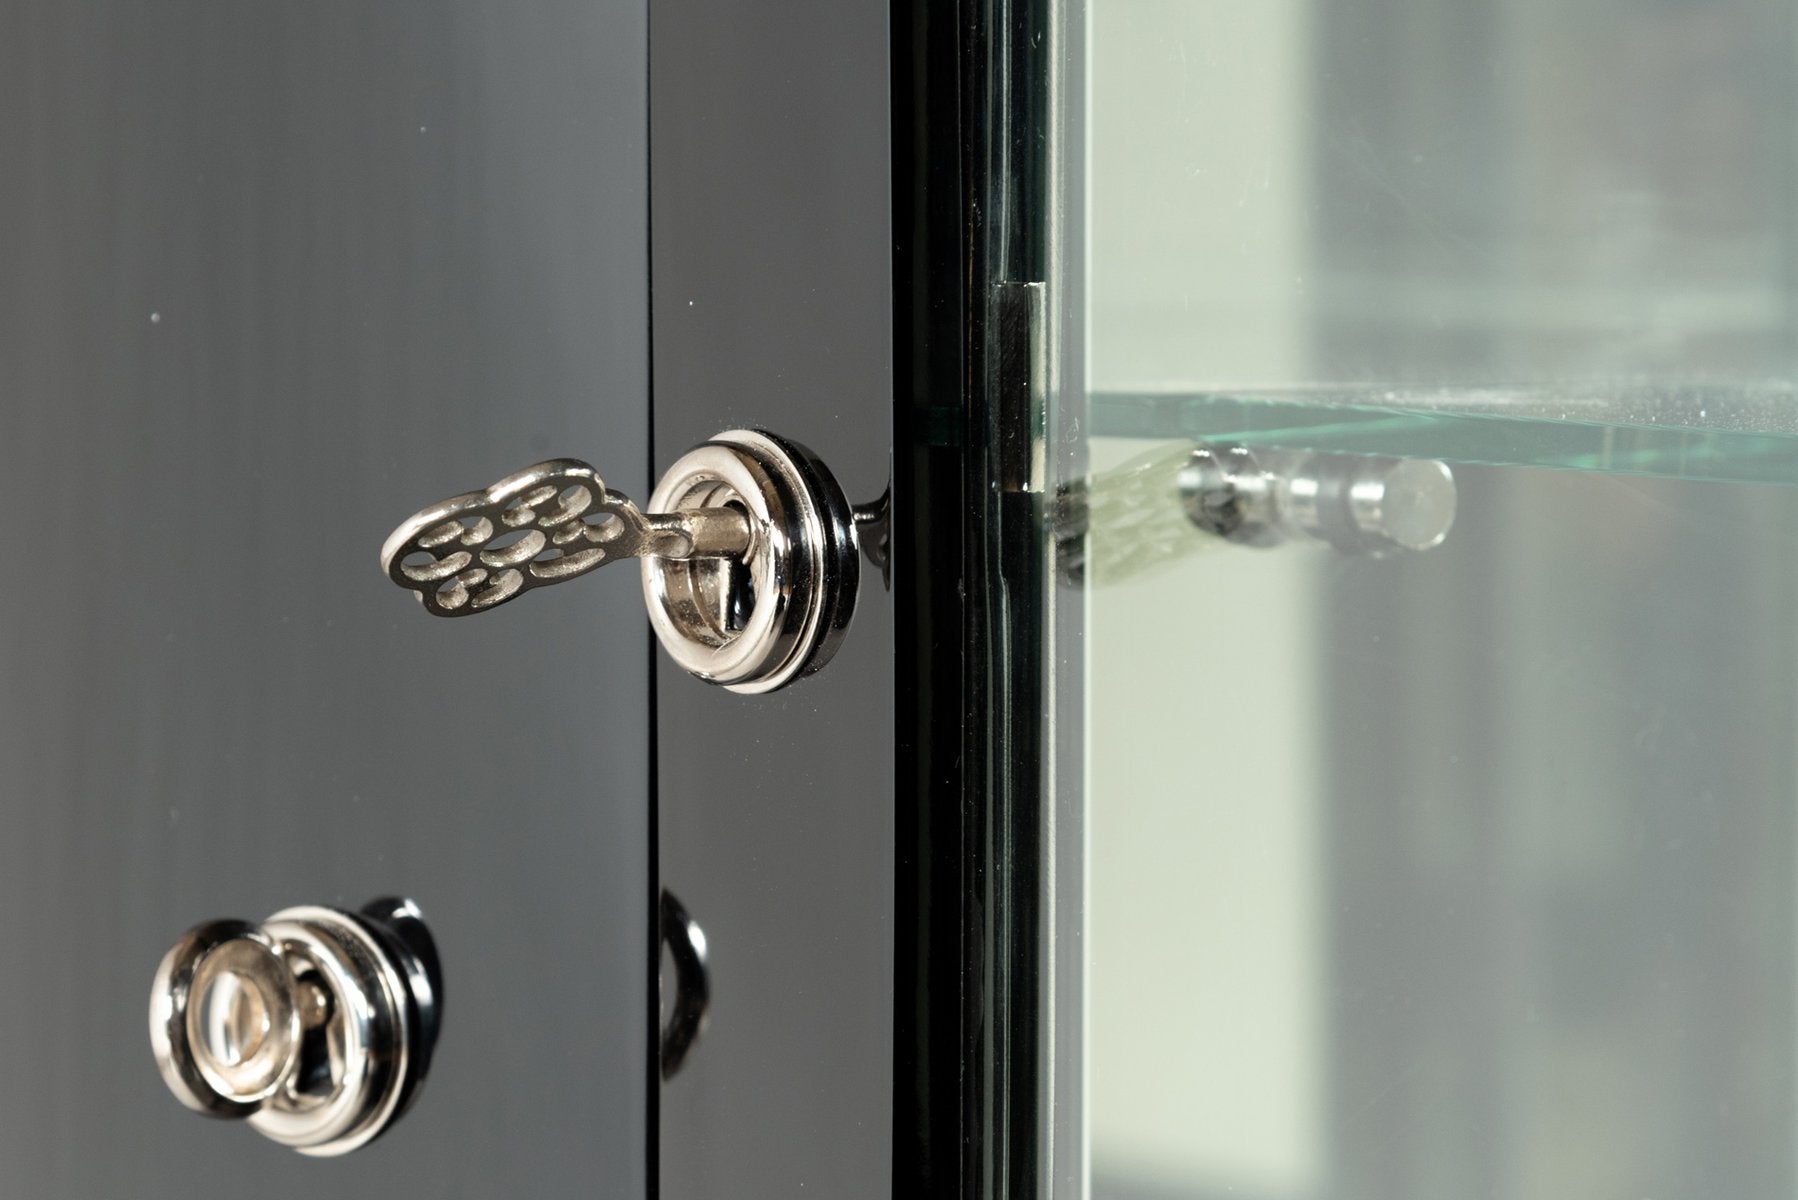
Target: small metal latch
x: 749, y: 553
x: 1360, y: 504
x: 315, y: 1026
x: 1151, y: 511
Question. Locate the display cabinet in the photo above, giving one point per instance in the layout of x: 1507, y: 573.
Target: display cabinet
x: 1077, y: 598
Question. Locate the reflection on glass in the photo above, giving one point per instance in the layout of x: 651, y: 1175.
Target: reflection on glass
x: 1469, y: 872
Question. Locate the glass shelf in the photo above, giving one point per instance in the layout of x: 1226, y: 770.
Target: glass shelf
x: 1735, y: 434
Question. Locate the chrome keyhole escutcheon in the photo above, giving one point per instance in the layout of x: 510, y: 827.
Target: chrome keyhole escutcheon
x: 243, y: 1019
x: 316, y: 1026
x: 749, y: 554
x: 777, y: 612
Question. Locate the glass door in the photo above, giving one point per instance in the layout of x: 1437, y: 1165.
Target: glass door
x: 1422, y: 814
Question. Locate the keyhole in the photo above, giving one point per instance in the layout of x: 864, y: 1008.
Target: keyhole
x: 739, y: 596
x: 739, y: 587
x: 236, y: 1019
x: 241, y: 1022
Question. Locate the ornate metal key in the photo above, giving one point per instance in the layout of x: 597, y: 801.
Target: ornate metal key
x: 546, y: 524
x: 749, y: 556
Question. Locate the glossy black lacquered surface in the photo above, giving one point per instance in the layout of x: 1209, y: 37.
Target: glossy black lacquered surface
x: 772, y: 303
x: 275, y: 275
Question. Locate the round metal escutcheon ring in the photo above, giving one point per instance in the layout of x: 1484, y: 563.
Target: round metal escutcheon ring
x: 803, y: 567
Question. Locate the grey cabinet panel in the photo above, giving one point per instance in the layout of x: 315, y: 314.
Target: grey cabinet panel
x: 272, y: 276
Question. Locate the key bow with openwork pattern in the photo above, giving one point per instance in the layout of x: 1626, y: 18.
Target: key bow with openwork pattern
x: 546, y: 524
x: 749, y: 557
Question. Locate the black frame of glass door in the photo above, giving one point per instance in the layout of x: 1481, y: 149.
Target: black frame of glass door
x: 971, y: 137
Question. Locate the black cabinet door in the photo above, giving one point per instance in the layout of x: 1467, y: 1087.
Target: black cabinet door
x: 772, y: 308
x: 271, y: 277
